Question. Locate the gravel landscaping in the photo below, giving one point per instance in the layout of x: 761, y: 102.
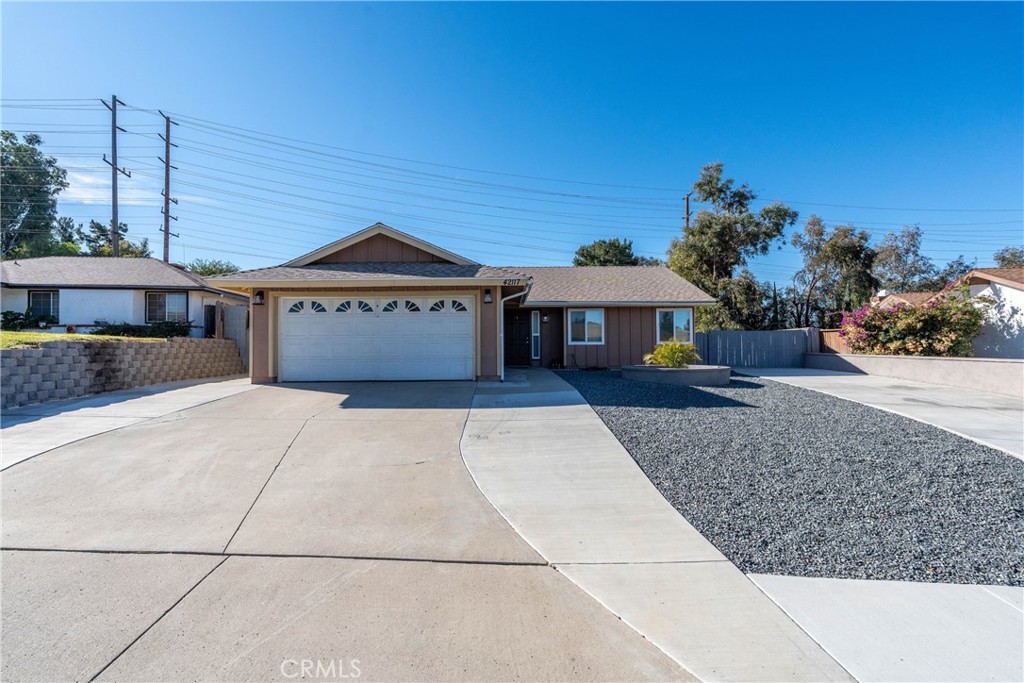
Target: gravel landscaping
x: 784, y: 480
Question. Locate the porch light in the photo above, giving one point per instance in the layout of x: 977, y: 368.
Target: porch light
x: 487, y: 296
x: 257, y: 298
x: 544, y: 318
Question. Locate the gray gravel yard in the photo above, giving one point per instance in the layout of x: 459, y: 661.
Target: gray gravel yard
x: 790, y: 481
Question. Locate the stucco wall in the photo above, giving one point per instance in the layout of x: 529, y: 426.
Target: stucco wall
x: 1003, y: 333
x: 13, y: 299
x: 71, y: 369
x: 1000, y: 376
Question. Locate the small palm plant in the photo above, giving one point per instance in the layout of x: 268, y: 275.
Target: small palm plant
x: 672, y: 355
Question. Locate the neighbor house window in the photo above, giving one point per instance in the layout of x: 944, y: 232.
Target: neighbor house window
x: 45, y: 303
x: 535, y: 335
x: 586, y: 326
x: 675, y: 324
x: 166, y: 307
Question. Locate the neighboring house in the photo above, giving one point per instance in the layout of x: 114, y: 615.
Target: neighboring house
x: 1003, y: 333
x: 904, y: 299
x: 86, y: 291
x: 383, y: 305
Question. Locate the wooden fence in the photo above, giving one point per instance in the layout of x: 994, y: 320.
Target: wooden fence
x: 758, y: 349
x: 831, y: 342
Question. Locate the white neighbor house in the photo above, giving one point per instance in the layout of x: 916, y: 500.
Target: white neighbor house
x: 86, y: 291
x: 1003, y: 333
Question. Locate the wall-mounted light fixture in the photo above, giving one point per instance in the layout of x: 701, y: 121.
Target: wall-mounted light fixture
x: 544, y: 318
x: 257, y: 298
x: 487, y: 296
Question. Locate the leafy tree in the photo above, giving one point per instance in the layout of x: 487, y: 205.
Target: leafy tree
x: 951, y: 272
x: 899, y: 264
x: 722, y: 239
x: 97, y: 239
x: 836, y: 274
x: 29, y: 184
x: 610, y: 252
x: 1009, y: 257
x: 206, y: 267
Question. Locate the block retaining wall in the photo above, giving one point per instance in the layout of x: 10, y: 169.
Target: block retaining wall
x: 59, y: 369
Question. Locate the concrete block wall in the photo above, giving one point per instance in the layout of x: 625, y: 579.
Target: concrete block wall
x: 59, y: 369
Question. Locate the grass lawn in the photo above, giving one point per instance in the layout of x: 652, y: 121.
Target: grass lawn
x: 10, y: 340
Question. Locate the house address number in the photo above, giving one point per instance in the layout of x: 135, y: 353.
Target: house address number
x: 511, y: 283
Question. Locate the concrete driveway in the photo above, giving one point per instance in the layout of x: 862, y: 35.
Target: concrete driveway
x: 330, y: 530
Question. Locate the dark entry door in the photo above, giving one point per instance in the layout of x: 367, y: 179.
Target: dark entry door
x: 517, y: 338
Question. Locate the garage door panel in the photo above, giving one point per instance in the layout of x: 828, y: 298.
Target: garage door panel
x: 355, y: 338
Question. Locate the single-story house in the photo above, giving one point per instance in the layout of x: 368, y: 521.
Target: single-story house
x: 903, y: 299
x: 88, y: 291
x: 1003, y: 333
x: 383, y: 305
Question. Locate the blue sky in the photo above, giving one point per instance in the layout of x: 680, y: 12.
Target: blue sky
x: 512, y: 133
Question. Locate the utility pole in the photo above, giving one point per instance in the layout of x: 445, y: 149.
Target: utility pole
x: 115, y: 226
x: 687, y: 200
x: 166, y: 137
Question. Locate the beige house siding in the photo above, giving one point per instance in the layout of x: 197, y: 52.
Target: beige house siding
x: 380, y: 249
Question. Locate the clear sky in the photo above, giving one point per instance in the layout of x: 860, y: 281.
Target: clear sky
x: 512, y: 133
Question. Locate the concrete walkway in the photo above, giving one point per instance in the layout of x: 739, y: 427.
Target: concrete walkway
x: 990, y: 419
x: 327, y: 527
x: 547, y: 462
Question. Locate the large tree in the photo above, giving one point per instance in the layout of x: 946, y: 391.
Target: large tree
x: 947, y: 275
x: 611, y: 252
x: 722, y: 238
x: 97, y: 240
x: 1009, y: 257
x: 899, y: 264
x: 206, y: 267
x: 29, y: 184
x: 836, y: 273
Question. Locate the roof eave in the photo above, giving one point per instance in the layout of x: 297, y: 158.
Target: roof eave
x: 357, y: 282
x: 611, y: 304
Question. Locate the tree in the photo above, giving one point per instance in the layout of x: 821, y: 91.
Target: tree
x: 610, y: 252
x: 29, y: 184
x: 1009, y: 257
x: 836, y: 274
x: 722, y: 239
x: 899, y: 264
x: 97, y: 239
x: 943, y: 277
x: 207, y: 267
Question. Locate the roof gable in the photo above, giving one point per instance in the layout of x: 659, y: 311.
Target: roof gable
x: 379, y: 243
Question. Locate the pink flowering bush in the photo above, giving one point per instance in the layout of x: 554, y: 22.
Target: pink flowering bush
x: 944, y: 326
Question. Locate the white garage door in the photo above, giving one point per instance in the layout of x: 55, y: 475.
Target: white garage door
x: 386, y: 338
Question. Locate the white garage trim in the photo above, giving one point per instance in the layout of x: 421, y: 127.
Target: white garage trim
x: 375, y: 335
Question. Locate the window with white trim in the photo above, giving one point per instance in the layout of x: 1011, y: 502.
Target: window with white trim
x: 586, y: 326
x: 166, y: 307
x: 44, y: 303
x: 675, y: 324
x: 535, y: 335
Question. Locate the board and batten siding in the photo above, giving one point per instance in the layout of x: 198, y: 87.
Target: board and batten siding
x: 629, y: 334
x: 380, y: 249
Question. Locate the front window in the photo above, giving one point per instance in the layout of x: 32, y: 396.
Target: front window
x: 535, y: 335
x: 45, y: 303
x: 166, y: 307
x: 586, y: 326
x: 675, y: 324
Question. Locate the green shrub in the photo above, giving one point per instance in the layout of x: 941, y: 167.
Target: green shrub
x: 153, y: 331
x: 945, y: 326
x: 12, y: 321
x: 673, y: 355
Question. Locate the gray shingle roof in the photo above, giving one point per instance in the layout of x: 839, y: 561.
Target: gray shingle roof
x: 610, y: 285
x: 97, y: 271
x: 369, y: 271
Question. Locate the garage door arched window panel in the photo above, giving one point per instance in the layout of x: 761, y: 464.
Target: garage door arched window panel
x: 344, y: 307
x: 318, y: 307
x: 412, y: 306
x: 459, y: 307
x: 390, y: 306
x: 297, y: 307
x: 364, y: 307
x: 437, y: 306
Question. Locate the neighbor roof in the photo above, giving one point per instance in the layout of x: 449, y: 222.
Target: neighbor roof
x: 610, y: 285
x: 912, y: 298
x: 1014, y: 277
x: 100, y: 272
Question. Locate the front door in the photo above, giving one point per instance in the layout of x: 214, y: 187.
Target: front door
x: 517, y: 337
